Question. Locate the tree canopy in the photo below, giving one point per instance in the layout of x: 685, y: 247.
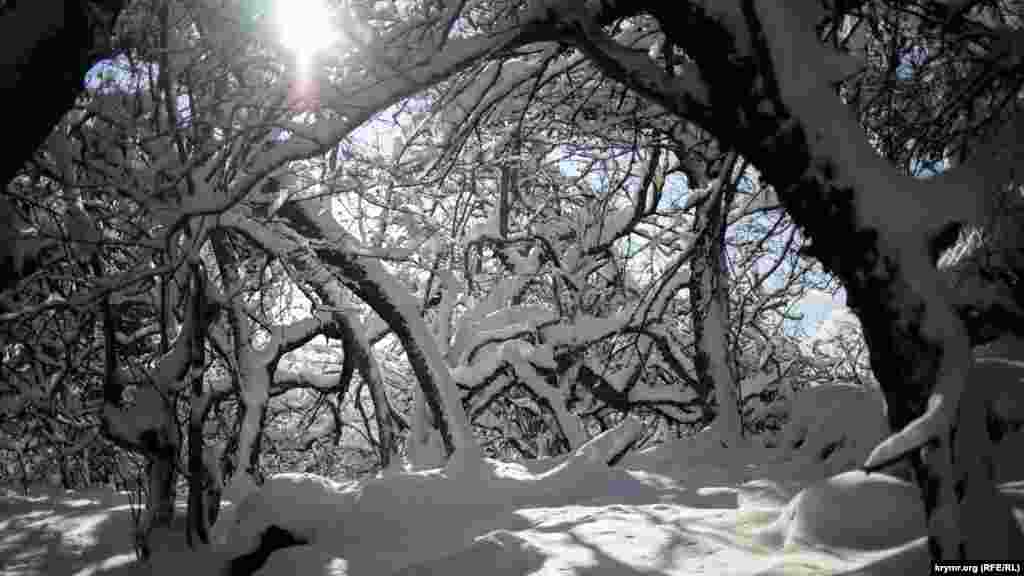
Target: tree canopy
x: 499, y: 228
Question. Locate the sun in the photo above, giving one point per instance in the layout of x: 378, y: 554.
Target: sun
x: 305, y: 28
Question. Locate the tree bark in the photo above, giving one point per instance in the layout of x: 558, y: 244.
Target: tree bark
x: 201, y: 489
x: 709, y: 305
x: 162, y: 475
x: 760, y: 81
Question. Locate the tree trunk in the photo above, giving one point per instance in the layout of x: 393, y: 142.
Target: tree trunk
x: 994, y: 392
x: 199, y: 406
x: 201, y: 488
x: 356, y: 345
x: 161, y: 449
x: 709, y: 301
x: 762, y: 82
x: 253, y: 373
x: 424, y: 449
x: 251, y: 421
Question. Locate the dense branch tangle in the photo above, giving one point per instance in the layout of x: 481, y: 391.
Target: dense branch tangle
x: 527, y: 238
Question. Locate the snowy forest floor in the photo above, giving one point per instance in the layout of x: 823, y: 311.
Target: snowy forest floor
x: 688, y: 507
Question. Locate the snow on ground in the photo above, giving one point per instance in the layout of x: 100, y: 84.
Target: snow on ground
x: 689, y: 507
x: 68, y: 533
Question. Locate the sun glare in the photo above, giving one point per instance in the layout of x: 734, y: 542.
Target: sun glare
x: 305, y: 28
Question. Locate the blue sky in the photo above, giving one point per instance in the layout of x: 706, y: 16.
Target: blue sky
x: 822, y: 311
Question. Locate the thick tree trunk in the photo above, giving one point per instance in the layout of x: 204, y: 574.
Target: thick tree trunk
x: 157, y: 436
x: 198, y: 406
x: 161, y: 449
x: 255, y: 394
x: 201, y: 488
x: 422, y: 448
x: 709, y: 305
x: 758, y: 79
x: 253, y: 368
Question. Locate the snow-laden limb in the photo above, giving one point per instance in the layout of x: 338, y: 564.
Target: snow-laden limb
x: 494, y: 318
x: 359, y: 100
x: 481, y: 398
x: 368, y: 279
x: 339, y: 319
x: 503, y: 325
x: 585, y: 329
x: 475, y: 374
x: 600, y: 449
x: 570, y: 425
x: 253, y: 366
x: 921, y: 432
x: 519, y: 359
x: 290, y: 380
x: 643, y: 393
x: 126, y: 425
x: 256, y: 368
x: 512, y: 352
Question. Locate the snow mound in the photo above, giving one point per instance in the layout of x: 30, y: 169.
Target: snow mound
x: 401, y: 519
x: 305, y: 560
x: 500, y: 553
x: 306, y: 505
x: 765, y: 493
x: 853, y: 510
x: 697, y: 460
x: 831, y: 429
x: 694, y: 503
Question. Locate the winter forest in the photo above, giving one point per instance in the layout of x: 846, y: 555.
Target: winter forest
x: 373, y: 287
